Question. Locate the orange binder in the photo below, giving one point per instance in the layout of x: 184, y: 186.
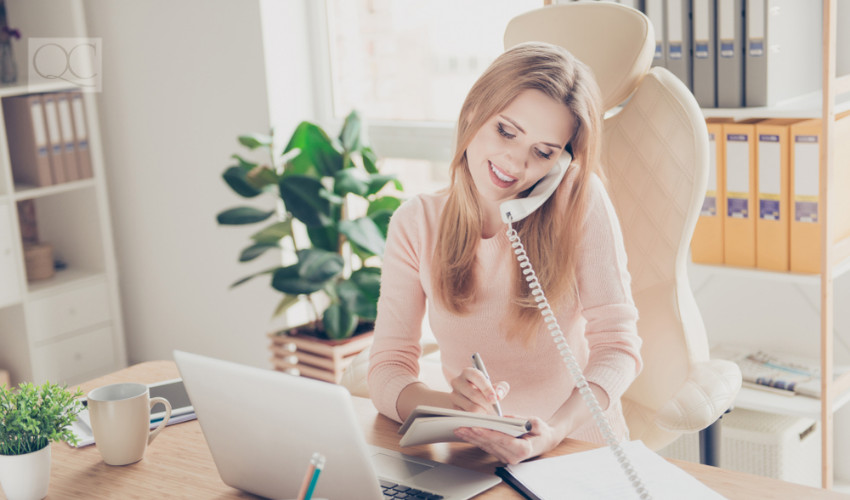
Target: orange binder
x: 772, y: 209
x: 739, y: 223
x: 707, y: 242
x: 81, y: 135
x: 806, y: 220
x: 27, y: 139
x: 54, y: 138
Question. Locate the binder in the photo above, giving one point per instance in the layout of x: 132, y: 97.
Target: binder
x: 677, y: 16
x: 806, y: 220
x: 772, y: 209
x: 739, y: 224
x: 704, y: 52
x: 27, y: 139
x: 730, y: 57
x: 707, y: 242
x: 54, y: 138
x: 69, y: 153
x: 81, y: 135
x: 782, y: 39
x: 654, y: 10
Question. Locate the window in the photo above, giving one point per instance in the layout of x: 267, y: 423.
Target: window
x: 407, y: 65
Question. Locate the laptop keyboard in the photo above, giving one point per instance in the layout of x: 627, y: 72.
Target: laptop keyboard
x: 393, y: 490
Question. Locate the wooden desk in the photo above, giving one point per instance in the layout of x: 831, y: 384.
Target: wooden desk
x: 178, y: 464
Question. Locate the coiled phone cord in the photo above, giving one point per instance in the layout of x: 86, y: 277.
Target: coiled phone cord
x: 572, y: 365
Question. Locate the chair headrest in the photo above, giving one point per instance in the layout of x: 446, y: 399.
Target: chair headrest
x: 617, y: 42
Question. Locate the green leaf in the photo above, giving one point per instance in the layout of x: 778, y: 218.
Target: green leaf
x: 249, y: 277
x: 288, y: 280
x: 236, y: 178
x: 368, y: 280
x: 285, y: 303
x: 351, y: 180
x: 324, y: 237
x: 255, y: 250
x: 370, y: 159
x: 301, y: 196
x: 319, y: 265
x: 364, y: 233
x: 349, y: 137
x: 384, y: 203
x: 339, y: 322
x: 274, y: 233
x: 382, y: 220
x: 254, y: 141
x: 243, y: 215
x: 317, y: 151
x: 244, y: 164
x: 378, y: 181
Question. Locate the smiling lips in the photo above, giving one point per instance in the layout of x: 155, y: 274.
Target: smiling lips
x: 499, y: 177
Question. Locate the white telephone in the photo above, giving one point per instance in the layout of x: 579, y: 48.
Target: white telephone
x: 520, y: 208
x: 516, y: 210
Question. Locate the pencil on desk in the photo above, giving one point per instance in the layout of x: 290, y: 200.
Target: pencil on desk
x: 318, y: 466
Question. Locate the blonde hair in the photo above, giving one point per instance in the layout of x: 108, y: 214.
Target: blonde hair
x: 555, y: 229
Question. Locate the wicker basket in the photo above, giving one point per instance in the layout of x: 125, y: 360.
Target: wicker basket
x: 39, y: 261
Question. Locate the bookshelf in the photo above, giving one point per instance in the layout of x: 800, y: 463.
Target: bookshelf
x: 832, y: 99
x: 67, y: 328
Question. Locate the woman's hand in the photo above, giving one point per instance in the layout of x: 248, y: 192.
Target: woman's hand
x: 512, y: 450
x: 472, y: 391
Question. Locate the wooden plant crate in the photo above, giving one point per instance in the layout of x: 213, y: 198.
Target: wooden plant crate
x: 308, y: 356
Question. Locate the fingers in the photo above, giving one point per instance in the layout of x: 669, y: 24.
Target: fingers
x: 472, y: 391
x: 504, y: 447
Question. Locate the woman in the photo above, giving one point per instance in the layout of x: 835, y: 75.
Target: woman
x: 449, y: 251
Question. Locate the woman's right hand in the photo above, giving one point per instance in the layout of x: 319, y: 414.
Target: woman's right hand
x: 472, y: 391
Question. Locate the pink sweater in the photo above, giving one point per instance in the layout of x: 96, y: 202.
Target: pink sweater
x: 601, y: 329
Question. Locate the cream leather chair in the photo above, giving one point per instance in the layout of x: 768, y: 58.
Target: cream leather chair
x: 655, y: 157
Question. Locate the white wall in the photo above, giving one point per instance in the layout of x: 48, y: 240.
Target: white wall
x: 180, y: 81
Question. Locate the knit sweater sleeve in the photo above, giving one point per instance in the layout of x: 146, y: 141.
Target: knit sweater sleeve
x: 394, y: 357
x: 604, y: 286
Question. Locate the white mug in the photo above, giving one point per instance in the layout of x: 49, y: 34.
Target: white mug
x: 120, y: 420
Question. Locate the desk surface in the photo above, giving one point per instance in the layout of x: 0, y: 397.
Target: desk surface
x: 178, y: 464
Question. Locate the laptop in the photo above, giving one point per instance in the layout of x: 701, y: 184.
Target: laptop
x: 263, y: 426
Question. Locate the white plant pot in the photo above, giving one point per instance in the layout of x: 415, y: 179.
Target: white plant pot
x: 26, y: 477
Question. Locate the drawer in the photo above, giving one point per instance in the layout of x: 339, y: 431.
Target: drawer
x: 68, y: 311
x: 67, y: 360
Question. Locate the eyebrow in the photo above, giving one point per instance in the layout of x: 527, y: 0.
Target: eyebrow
x: 515, y: 124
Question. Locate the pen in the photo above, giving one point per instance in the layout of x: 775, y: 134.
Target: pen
x: 318, y: 463
x: 479, y: 365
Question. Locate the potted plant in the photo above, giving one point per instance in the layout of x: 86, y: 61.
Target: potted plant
x: 31, y: 419
x: 330, y: 251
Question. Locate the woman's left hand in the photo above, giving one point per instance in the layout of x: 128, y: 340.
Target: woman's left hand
x: 512, y: 450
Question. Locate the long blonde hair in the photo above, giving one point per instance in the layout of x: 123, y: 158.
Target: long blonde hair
x: 551, y: 235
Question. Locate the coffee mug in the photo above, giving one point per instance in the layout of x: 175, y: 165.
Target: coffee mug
x: 120, y: 420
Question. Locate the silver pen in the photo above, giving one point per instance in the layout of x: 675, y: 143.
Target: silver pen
x: 479, y: 365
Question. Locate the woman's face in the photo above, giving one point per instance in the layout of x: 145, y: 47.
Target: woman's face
x: 519, y: 145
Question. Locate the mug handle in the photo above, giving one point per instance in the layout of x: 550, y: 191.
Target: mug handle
x: 164, y: 422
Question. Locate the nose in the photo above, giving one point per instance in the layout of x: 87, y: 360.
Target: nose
x: 519, y: 156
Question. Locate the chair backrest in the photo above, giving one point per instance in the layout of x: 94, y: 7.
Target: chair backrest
x: 655, y: 157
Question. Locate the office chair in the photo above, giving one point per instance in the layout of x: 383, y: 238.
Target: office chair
x: 655, y: 158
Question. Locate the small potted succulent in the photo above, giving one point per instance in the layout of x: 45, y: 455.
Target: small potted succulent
x: 30, y: 419
x: 325, y: 208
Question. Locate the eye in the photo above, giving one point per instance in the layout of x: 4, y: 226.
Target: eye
x: 543, y: 155
x: 504, y: 133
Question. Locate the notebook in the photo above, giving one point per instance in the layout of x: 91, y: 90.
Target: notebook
x: 263, y: 426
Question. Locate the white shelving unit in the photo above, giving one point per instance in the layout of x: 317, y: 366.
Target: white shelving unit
x: 67, y: 328
x: 833, y: 99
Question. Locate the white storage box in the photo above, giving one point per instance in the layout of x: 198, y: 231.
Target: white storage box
x: 777, y: 446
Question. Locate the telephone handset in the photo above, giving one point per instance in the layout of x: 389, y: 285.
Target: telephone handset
x: 516, y: 210
x: 520, y: 208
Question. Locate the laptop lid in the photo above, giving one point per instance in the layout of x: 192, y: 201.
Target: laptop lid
x: 263, y: 426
